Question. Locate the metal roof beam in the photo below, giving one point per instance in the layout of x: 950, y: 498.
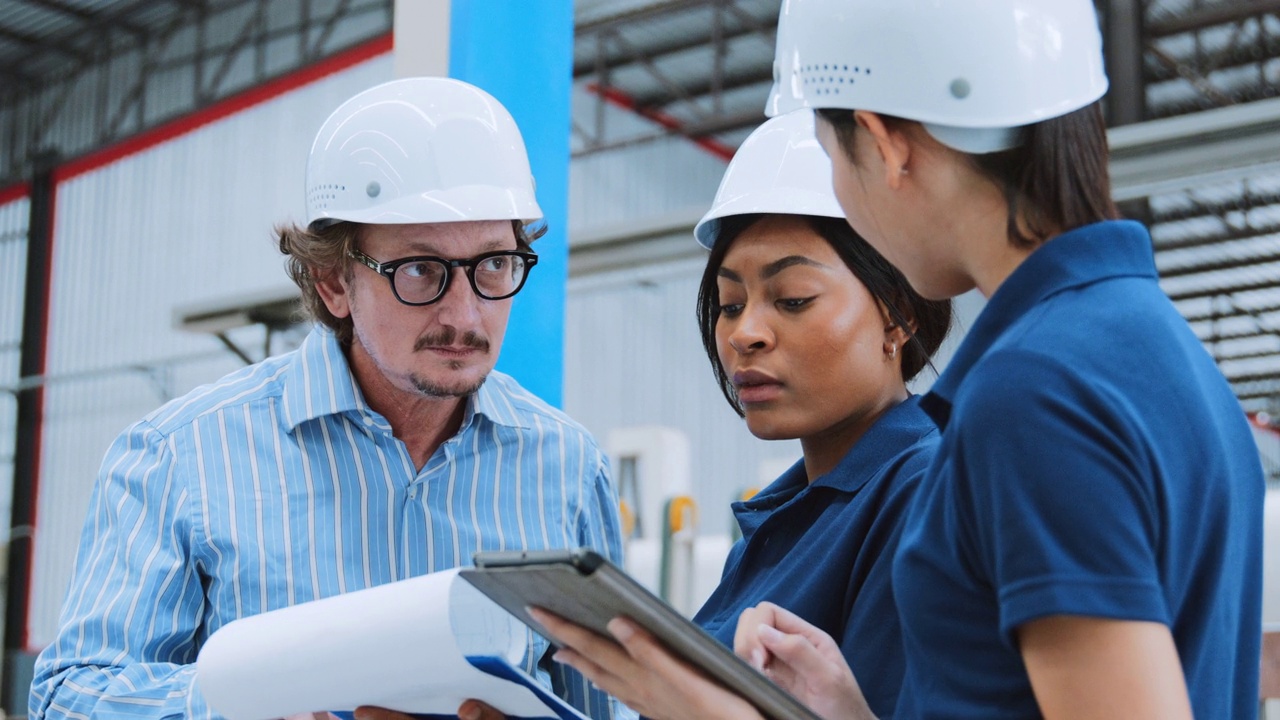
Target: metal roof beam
x: 1207, y: 335
x: 1231, y: 58
x: 1167, y: 155
x: 93, y: 18
x: 1221, y: 265
x: 1258, y: 389
x: 1266, y: 284
x: 1206, y: 17
x: 1251, y: 355
x: 705, y: 87
x: 1231, y: 235
x: 1202, y: 208
x: 44, y: 43
x: 591, y: 66
x: 647, y: 12
x: 726, y: 123
x: 1253, y: 376
x: 1236, y: 311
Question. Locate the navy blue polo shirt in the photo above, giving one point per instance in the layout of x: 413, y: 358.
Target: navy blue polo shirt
x: 1094, y: 462
x: 824, y: 550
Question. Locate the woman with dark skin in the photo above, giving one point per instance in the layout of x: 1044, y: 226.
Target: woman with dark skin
x: 1088, y: 542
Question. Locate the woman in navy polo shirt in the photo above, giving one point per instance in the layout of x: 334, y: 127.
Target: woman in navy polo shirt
x: 1087, y: 542
x: 812, y: 334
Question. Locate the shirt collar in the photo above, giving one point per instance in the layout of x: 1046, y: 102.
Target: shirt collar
x: 496, y: 401
x: 319, y: 381
x: 898, y: 428
x: 1083, y: 256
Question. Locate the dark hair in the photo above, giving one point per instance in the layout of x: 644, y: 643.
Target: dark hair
x: 313, y: 254
x: 931, y: 318
x: 1057, y: 177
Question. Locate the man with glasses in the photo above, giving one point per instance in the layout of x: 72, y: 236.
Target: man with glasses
x: 385, y: 447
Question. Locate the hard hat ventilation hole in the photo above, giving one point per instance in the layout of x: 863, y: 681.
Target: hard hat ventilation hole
x: 374, y: 189
x: 960, y: 88
x: 828, y: 78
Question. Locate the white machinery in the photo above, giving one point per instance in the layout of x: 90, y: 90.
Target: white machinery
x: 663, y: 549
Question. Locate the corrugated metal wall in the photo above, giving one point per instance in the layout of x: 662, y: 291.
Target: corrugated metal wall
x: 71, y: 116
x: 182, y: 223
x: 633, y: 357
x: 13, y: 264
x: 14, y: 215
x: 658, y: 178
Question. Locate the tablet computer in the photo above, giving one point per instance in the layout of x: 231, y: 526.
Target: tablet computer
x: 584, y: 587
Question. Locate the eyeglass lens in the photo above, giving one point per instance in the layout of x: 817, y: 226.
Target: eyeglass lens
x: 493, y: 278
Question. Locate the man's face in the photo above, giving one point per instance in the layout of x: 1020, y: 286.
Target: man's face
x: 445, y: 349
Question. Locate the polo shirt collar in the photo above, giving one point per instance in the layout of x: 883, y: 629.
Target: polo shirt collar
x: 899, y: 427
x: 1083, y: 256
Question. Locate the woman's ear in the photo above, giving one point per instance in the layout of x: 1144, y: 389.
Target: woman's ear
x: 892, y: 146
x: 893, y: 332
x: 334, y: 291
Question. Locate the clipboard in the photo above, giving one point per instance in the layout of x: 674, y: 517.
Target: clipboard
x: 583, y: 586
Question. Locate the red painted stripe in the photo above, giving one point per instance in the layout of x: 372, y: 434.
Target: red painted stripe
x: 224, y: 108
x: 14, y: 192
x: 618, y: 98
x: 145, y: 141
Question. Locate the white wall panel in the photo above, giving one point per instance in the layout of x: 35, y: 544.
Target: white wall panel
x: 657, y: 178
x: 185, y: 222
x: 633, y: 357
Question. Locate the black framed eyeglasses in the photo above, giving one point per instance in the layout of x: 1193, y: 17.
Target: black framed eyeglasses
x: 425, y: 279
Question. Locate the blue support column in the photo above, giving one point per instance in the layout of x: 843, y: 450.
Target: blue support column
x: 521, y: 52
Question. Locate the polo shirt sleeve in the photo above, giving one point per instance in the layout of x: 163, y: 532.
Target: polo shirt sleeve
x: 1060, y: 490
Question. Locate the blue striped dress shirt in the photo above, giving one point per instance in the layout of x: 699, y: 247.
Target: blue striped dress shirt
x: 277, y: 485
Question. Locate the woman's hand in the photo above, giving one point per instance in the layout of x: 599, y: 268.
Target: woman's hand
x: 637, y: 670
x: 802, y: 660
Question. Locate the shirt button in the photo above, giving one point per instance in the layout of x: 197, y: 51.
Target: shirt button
x: 368, y: 420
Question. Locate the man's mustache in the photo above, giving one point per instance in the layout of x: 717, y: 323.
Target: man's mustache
x: 449, y: 337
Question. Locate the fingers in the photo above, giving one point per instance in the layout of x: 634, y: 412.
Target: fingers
x: 793, y: 649
x: 376, y: 713
x: 600, y: 650
x: 590, y: 670
x: 746, y: 640
x: 476, y: 710
x: 642, y: 648
x: 789, y: 623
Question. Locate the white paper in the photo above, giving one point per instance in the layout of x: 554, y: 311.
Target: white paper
x: 401, y: 646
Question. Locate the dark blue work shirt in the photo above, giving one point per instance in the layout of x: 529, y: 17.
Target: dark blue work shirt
x: 1094, y: 463
x: 824, y: 550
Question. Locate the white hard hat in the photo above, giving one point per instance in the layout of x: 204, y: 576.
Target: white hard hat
x: 780, y: 169
x: 972, y: 71
x: 419, y: 150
